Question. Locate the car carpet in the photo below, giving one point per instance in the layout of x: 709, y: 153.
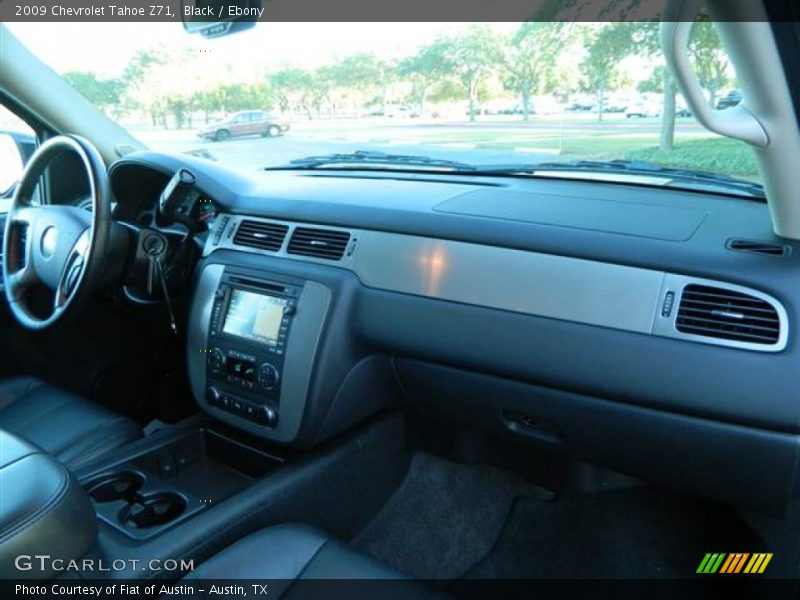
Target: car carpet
x: 643, y: 532
x: 444, y: 517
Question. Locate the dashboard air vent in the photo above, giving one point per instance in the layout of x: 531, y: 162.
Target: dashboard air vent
x: 320, y: 243
x: 767, y: 248
x: 257, y: 234
x: 728, y: 315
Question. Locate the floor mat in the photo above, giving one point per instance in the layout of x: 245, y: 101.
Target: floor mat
x: 635, y: 533
x: 444, y: 518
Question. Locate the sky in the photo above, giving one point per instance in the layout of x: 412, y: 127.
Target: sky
x: 107, y: 47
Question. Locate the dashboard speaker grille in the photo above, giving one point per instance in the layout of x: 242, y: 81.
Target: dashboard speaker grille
x: 725, y: 314
x: 264, y: 236
x: 320, y: 243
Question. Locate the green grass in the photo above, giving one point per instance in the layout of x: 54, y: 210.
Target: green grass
x: 698, y: 150
x: 715, y: 154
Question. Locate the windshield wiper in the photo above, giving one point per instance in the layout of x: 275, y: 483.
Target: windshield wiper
x: 372, y: 158
x: 634, y: 167
x: 694, y: 179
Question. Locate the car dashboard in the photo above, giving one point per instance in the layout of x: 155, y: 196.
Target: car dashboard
x: 632, y: 327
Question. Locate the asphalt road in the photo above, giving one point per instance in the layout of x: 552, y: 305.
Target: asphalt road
x: 433, y: 139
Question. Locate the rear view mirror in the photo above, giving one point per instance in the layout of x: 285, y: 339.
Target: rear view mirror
x: 216, y: 18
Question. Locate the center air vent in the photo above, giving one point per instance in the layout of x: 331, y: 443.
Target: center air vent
x: 320, y: 243
x: 264, y: 236
x: 727, y: 315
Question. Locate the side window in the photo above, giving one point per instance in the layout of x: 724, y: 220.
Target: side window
x: 17, y: 143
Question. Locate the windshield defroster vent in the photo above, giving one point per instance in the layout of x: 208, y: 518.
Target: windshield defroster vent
x: 767, y: 248
x: 320, y: 243
x: 261, y: 235
x: 727, y: 315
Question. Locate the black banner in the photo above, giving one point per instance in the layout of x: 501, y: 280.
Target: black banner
x: 151, y: 11
x: 373, y: 589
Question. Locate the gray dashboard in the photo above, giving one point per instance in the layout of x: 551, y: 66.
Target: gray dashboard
x: 555, y: 287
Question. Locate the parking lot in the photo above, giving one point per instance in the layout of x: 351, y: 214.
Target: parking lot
x: 489, y: 141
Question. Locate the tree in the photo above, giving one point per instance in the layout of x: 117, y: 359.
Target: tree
x: 425, y: 70
x: 208, y: 101
x: 139, y: 93
x: 364, y: 76
x: 711, y: 63
x: 529, y: 60
x: 290, y: 86
x: 471, y: 57
x: 103, y: 93
x: 606, y: 47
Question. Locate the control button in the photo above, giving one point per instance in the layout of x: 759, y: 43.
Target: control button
x: 666, y: 307
x: 216, y: 359
x: 289, y: 309
x: 267, y: 376
x: 266, y: 416
x: 213, y: 396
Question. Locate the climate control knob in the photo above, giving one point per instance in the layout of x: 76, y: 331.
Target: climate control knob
x: 266, y: 415
x: 213, y: 396
x: 267, y: 376
x: 216, y: 359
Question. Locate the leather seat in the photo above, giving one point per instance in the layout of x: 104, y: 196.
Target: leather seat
x: 63, y: 424
x: 295, y: 557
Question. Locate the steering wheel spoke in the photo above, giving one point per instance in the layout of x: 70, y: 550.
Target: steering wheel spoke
x: 73, y: 270
x: 24, y: 215
x: 21, y: 280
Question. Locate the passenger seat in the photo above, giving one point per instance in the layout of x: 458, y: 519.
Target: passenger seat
x: 295, y: 557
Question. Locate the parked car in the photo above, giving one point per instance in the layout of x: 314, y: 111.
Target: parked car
x: 581, y: 106
x: 643, y: 110
x: 400, y: 112
x: 615, y: 108
x: 245, y: 122
x: 730, y: 99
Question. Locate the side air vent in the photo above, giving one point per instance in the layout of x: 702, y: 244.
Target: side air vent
x: 320, y: 243
x: 727, y: 315
x: 264, y: 236
x: 767, y: 248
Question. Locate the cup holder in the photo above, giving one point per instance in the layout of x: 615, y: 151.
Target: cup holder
x: 116, y: 486
x: 153, y: 510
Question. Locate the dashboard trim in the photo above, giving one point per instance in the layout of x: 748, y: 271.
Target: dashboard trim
x: 570, y: 289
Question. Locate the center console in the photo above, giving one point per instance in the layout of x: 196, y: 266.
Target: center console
x: 252, y: 340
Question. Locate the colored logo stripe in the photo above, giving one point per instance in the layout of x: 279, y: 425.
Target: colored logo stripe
x: 736, y: 562
x: 758, y: 563
x: 710, y: 563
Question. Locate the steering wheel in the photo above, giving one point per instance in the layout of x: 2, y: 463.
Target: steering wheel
x: 59, y: 247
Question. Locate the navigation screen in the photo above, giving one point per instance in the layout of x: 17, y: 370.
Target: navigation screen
x: 254, y: 316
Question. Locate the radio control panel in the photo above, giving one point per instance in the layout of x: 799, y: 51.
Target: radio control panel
x: 252, y: 344
x: 247, y: 336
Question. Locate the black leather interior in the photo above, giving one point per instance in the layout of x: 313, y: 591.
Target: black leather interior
x: 72, y: 429
x: 43, y: 510
x: 295, y: 557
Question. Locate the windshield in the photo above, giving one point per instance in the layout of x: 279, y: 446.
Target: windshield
x: 476, y: 94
